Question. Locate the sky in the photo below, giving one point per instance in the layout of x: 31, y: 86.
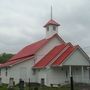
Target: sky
x: 22, y: 21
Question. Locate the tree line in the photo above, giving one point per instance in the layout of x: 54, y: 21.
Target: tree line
x: 4, y: 57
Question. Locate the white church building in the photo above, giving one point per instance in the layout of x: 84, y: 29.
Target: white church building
x: 49, y: 61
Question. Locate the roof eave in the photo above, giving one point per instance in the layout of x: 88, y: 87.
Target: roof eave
x: 51, y: 24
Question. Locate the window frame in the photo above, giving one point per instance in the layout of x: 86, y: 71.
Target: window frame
x: 47, y: 28
x: 42, y: 81
x: 54, y: 28
x: 6, y: 72
x: 66, y: 74
x: 0, y: 72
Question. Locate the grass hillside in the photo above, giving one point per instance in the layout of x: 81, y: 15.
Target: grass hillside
x: 4, y: 57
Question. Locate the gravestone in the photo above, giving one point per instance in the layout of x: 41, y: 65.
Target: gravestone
x: 21, y: 84
x: 42, y: 81
x: 11, y: 84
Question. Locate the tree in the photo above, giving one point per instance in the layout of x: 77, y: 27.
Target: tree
x: 4, y: 57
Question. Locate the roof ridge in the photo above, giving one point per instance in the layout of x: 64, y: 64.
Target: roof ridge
x: 70, y: 44
x: 50, y: 58
x: 13, y: 62
x: 43, y: 42
x: 68, y: 49
x: 66, y: 46
x: 36, y: 45
x: 31, y: 49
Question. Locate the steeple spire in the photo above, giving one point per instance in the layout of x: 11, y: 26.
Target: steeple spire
x: 51, y: 26
x: 51, y: 12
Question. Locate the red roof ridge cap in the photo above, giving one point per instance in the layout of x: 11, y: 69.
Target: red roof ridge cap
x: 70, y: 44
x: 77, y: 46
x: 52, y: 22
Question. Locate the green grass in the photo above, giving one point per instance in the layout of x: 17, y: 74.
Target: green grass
x: 32, y: 88
x: 4, y: 87
x: 78, y: 86
x: 45, y: 88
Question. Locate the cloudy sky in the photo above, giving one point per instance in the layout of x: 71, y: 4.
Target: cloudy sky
x: 22, y: 21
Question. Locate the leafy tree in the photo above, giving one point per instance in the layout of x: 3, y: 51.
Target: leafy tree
x: 4, y: 57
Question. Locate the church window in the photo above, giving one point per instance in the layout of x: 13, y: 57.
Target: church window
x: 6, y: 73
x: 89, y: 74
x: 0, y: 72
x: 0, y: 81
x: 47, y: 28
x: 34, y: 71
x: 76, y: 69
x: 62, y: 68
x: 66, y: 74
x: 42, y: 81
x: 54, y: 28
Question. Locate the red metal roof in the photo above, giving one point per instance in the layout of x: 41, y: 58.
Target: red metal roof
x: 48, y: 58
x: 13, y: 62
x: 51, y: 22
x: 52, y: 54
x: 63, y: 56
x: 33, y: 48
x: 30, y: 49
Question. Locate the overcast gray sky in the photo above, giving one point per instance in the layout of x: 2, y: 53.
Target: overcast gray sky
x: 22, y: 21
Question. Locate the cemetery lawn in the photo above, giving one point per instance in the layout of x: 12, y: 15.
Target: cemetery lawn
x: 48, y: 88
x: 4, y: 87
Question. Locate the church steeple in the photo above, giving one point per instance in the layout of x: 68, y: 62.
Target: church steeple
x: 51, y: 27
x: 51, y: 12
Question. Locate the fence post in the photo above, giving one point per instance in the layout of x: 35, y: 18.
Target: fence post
x: 0, y: 81
x: 21, y: 84
x: 71, y: 83
x: 29, y: 84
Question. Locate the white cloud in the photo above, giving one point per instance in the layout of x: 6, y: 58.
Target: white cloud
x: 22, y: 21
